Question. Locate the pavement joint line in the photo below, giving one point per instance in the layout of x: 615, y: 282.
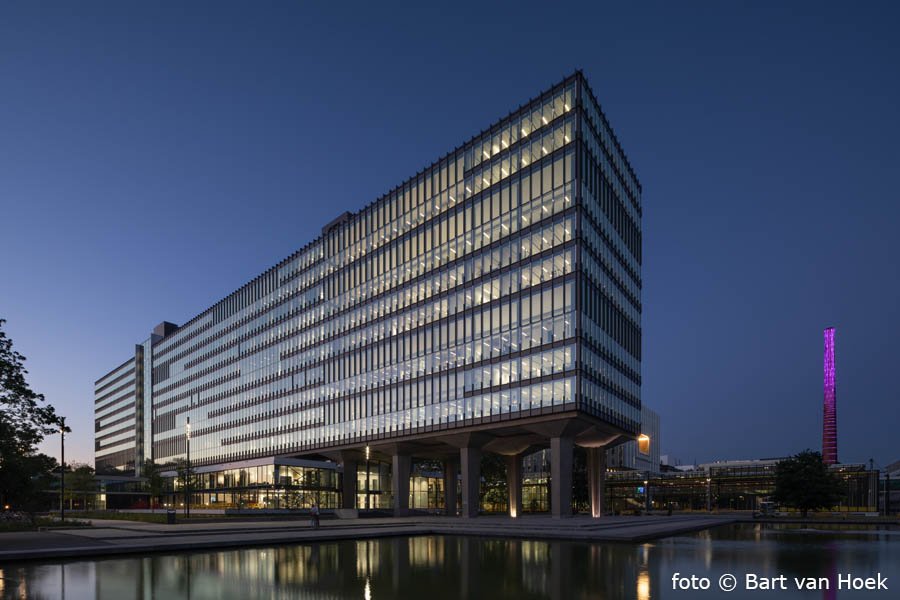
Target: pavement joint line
x: 217, y: 533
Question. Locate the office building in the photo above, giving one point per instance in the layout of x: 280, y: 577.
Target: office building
x: 489, y: 303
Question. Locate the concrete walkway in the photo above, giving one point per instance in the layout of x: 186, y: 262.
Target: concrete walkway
x: 112, y: 537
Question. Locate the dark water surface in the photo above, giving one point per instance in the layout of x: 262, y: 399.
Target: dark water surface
x: 435, y: 567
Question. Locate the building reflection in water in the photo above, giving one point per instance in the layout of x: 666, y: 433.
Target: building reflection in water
x: 459, y: 567
x: 436, y: 567
x: 366, y: 558
x: 830, y: 568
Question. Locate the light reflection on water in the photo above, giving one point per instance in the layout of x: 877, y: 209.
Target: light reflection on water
x: 462, y: 567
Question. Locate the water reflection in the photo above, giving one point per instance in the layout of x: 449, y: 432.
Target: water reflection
x: 462, y: 567
x: 830, y: 567
x: 643, y: 586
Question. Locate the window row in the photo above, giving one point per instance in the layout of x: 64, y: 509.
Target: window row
x: 538, y: 396
x: 521, y: 127
x: 530, y: 274
x: 536, y: 210
x: 537, y: 365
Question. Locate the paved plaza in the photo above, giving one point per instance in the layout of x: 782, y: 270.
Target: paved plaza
x: 109, y: 537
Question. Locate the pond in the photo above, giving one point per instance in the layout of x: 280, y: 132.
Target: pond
x: 466, y: 567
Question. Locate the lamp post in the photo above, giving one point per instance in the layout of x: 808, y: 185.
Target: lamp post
x: 187, y: 473
x: 367, y: 478
x: 62, y: 469
x: 647, y: 494
x: 887, y: 494
x: 708, y: 494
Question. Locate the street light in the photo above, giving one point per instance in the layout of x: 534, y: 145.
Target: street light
x: 62, y: 468
x: 367, y: 477
x: 887, y: 494
x: 647, y: 493
x: 708, y: 494
x: 187, y: 471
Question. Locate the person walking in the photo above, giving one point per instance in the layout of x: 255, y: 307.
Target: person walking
x: 314, y: 511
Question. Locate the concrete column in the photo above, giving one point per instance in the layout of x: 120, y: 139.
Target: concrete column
x: 561, y: 449
x: 400, y: 484
x: 451, y: 477
x: 596, y: 464
x: 348, y: 481
x: 471, y: 480
x: 514, y: 484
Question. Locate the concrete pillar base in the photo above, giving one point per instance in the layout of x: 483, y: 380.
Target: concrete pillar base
x: 401, y: 464
x: 470, y: 458
x: 348, y: 484
x: 561, y: 449
x: 514, y: 484
x: 451, y: 478
x: 596, y: 465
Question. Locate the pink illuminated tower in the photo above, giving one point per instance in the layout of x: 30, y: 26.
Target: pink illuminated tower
x: 829, y: 422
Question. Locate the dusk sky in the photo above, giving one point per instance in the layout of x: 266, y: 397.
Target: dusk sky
x: 154, y: 157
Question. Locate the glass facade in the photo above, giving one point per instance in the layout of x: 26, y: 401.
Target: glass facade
x: 501, y: 282
x: 270, y: 484
x: 251, y: 486
x: 377, y: 493
x: 115, y: 420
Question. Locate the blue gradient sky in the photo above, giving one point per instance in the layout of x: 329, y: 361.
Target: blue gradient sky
x: 155, y: 157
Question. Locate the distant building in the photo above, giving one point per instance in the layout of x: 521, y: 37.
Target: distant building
x: 729, y: 485
x: 893, y: 470
x: 890, y: 487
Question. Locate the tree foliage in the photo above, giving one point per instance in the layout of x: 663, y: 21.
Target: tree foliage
x: 581, y: 498
x: 81, y: 485
x: 187, y: 479
x: 155, y: 481
x: 25, y: 480
x: 804, y: 482
x: 185, y: 473
x: 25, y: 420
x: 494, y: 493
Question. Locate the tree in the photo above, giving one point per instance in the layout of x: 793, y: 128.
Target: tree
x: 580, y: 496
x: 23, y: 409
x: 24, y: 421
x: 186, y: 477
x: 80, y: 483
x: 155, y: 481
x: 26, y: 479
x: 805, y: 483
x: 494, y: 490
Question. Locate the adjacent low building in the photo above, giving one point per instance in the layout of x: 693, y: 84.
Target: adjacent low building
x: 728, y: 485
